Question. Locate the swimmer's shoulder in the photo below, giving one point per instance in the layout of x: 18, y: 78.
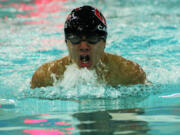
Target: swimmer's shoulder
x: 113, y: 56
x: 113, y: 60
x: 133, y: 72
x: 125, y: 71
x: 44, y: 75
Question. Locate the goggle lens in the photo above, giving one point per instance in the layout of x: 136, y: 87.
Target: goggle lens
x: 90, y: 39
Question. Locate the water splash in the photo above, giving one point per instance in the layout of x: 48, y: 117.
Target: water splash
x: 73, y: 77
x: 82, y: 84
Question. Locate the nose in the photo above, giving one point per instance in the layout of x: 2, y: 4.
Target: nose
x: 84, y: 47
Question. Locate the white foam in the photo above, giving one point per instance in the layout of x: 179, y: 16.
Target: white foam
x: 79, y: 83
x: 74, y: 76
x: 82, y: 83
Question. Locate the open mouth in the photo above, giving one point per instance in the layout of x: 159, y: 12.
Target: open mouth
x: 85, y: 61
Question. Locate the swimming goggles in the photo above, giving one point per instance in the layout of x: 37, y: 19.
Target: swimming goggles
x: 90, y: 39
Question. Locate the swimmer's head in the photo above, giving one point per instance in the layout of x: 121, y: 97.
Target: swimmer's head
x: 85, y: 21
x: 85, y: 35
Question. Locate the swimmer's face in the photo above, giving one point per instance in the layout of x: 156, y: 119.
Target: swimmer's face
x: 85, y: 51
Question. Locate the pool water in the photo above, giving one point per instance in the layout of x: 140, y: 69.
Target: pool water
x: 147, y: 32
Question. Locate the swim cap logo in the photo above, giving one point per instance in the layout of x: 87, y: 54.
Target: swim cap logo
x: 101, y: 28
x: 100, y: 17
x: 77, y: 9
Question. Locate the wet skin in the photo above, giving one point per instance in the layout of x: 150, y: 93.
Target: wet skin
x: 111, y: 69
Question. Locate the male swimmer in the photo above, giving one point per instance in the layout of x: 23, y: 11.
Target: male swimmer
x: 85, y: 36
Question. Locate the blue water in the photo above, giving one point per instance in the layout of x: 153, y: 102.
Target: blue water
x: 147, y: 32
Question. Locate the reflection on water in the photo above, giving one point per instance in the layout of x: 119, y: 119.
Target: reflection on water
x: 36, y: 10
x: 112, y: 122
x: 93, y: 117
